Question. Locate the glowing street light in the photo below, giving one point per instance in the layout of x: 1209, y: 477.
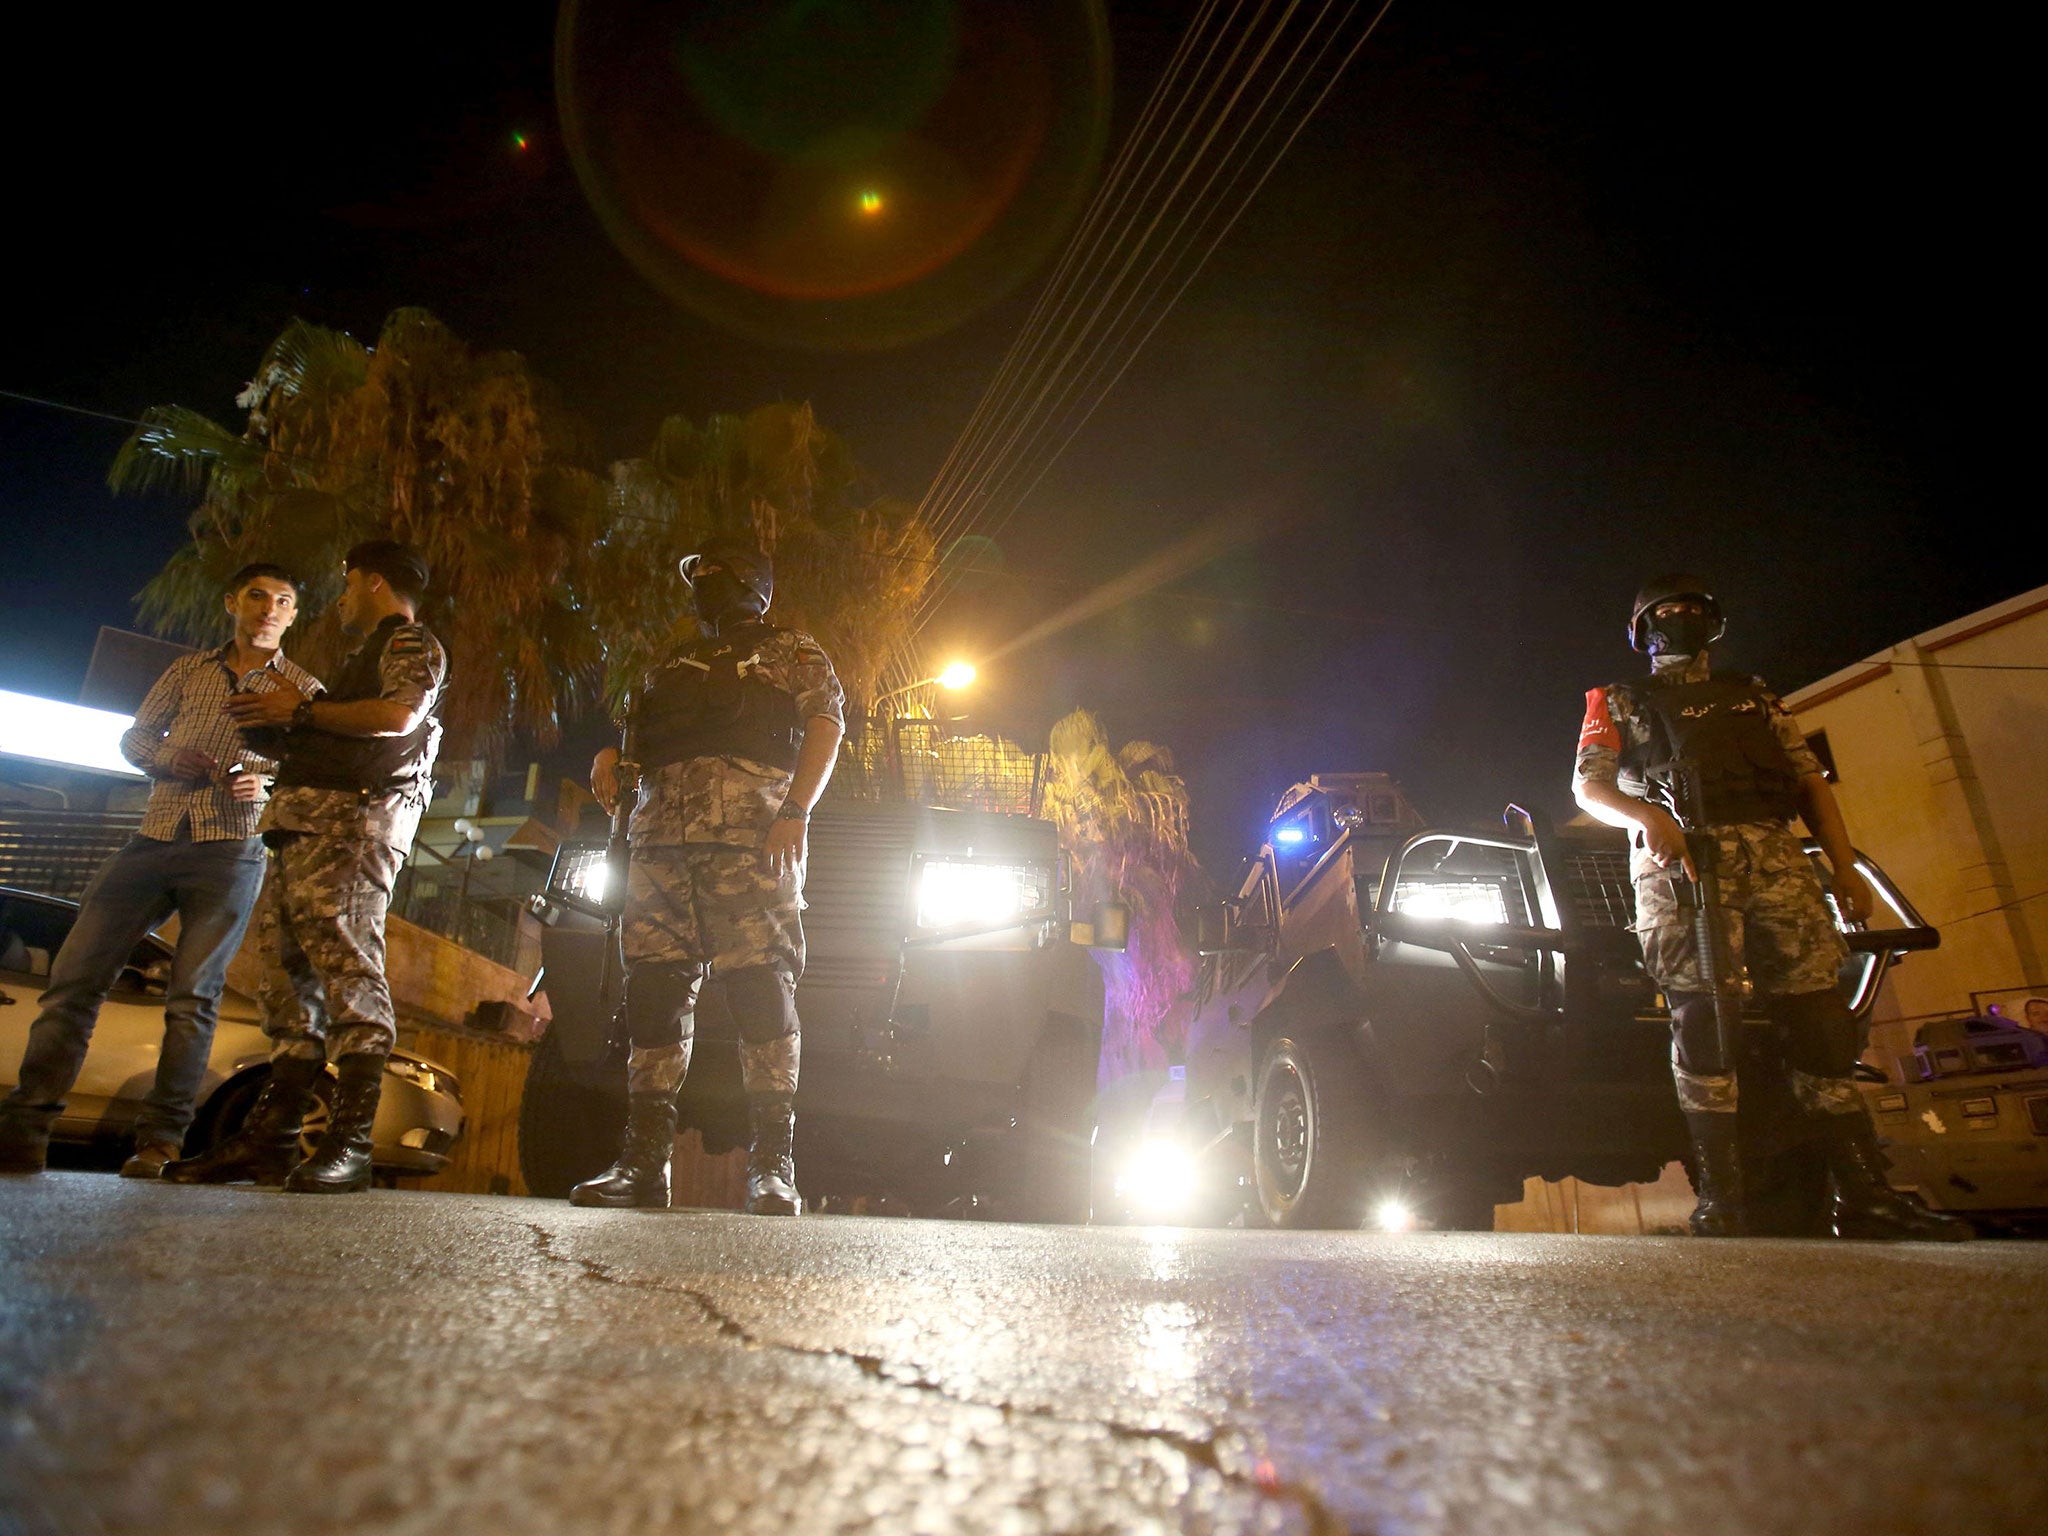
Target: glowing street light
x: 954, y: 676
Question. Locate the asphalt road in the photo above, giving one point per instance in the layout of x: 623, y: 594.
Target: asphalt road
x: 185, y: 1360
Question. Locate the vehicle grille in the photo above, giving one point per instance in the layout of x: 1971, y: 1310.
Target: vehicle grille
x: 1596, y: 884
x: 855, y: 891
x: 56, y: 852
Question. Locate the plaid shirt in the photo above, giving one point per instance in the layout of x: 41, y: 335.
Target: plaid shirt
x: 185, y: 709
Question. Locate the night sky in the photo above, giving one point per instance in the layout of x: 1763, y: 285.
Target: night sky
x: 1546, y: 299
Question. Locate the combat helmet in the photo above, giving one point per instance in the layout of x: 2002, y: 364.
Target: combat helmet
x: 1662, y: 589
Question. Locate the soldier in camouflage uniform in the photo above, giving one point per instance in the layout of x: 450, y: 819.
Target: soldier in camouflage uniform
x: 1756, y: 773
x: 737, y: 733
x: 355, y: 771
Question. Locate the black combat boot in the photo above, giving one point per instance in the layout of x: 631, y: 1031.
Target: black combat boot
x: 340, y: 1164
x: 771, y: 1162
x: 1865, y: 1204
x: 1717, y: 1175
x: 640, y: 1176
x: 267, y: 1145
x: 24, y: 1138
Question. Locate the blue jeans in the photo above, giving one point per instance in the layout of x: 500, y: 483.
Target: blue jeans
x: 212, y: 887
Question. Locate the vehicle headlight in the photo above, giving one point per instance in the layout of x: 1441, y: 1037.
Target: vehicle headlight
x: 957, y: 893
x: 1159, y: 1180
x: 581, y: 878
x: 420, y: 1074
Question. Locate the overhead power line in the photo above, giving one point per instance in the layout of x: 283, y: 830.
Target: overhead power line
x: 1239, y: 88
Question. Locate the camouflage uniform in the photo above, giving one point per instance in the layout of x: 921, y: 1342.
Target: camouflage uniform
x: 334, y: 856
x: 699, y: 896
x: 1781, y: 938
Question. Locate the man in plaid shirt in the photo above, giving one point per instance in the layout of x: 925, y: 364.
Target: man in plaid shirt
x: 197, y: 854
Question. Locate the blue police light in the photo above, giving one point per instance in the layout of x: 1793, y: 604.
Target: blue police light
x: 1289, y: 835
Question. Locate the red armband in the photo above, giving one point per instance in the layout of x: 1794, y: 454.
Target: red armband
x: 1599, y: 729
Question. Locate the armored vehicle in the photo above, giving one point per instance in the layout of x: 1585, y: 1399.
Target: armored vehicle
x: 1402, y: 1023
x: 1968, y: 1128
x: 951, y: 1023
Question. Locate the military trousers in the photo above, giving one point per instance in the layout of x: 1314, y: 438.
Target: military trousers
x: 324, y: 990
x: 702, y: 909
x: 1782, y: 948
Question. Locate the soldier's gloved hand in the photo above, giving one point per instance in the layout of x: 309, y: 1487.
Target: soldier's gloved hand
x: 604, y: 779
x: 1665, y: 839
x: 787, y: 848
x: 1853, y: 896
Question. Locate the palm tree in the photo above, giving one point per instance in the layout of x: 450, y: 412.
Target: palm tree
x: 1123, y: 819
x: 461, y: 454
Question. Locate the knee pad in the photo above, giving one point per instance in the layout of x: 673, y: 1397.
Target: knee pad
x: 763, y: 1002
x: 1696, y: 1036
x: 657, y: 999
x: 1822, y: 1038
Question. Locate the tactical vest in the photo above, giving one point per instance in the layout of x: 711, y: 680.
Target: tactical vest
x: 1723, y: 725
x: 712, y: 701
x: 371, y: 765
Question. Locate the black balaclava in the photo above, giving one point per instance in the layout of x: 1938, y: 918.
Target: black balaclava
x: 1679, y: 634
x: 730, y: 583
x: 722, y: 598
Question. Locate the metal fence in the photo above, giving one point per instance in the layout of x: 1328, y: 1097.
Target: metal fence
x: 56, y: 852
x: 476, y: 905
x: 916, y: 762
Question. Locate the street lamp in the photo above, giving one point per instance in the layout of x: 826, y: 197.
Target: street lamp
x: 954, y: 676
x: 472, y: 837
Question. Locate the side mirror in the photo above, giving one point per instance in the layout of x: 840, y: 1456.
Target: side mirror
x: 1220, y: 931
x: 1109, y: 928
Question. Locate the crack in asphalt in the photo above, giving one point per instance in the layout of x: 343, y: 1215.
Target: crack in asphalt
x: 1201, y: 1450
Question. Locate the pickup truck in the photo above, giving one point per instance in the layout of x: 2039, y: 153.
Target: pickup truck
x: 1400, y: 1023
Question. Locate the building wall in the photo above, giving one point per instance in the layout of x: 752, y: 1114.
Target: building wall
x: 1940, y: 745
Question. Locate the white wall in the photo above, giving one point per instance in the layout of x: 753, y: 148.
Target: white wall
x: 1941, y: 743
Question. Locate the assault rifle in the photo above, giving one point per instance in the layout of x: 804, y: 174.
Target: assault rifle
x: 1702, y: 897
x: 611, y: 966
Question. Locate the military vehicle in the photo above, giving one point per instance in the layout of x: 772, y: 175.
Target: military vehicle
x: 1967, y: 1129
x: 951, y: 1022
x: 1401, y: 1023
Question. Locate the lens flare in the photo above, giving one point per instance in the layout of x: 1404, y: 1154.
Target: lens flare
x: 1393, y: 1216
x: 720, y: 146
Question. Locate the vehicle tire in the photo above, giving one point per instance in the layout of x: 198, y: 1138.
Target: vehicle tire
x: 1310, y: 1135
x: 229, y: 1111
x: 314, y: 1126
x: 223, y: 1114
x: 571, y: 1119
x: 1056, y: 1122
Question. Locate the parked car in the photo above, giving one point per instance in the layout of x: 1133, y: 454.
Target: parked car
x: 418, y: 1118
